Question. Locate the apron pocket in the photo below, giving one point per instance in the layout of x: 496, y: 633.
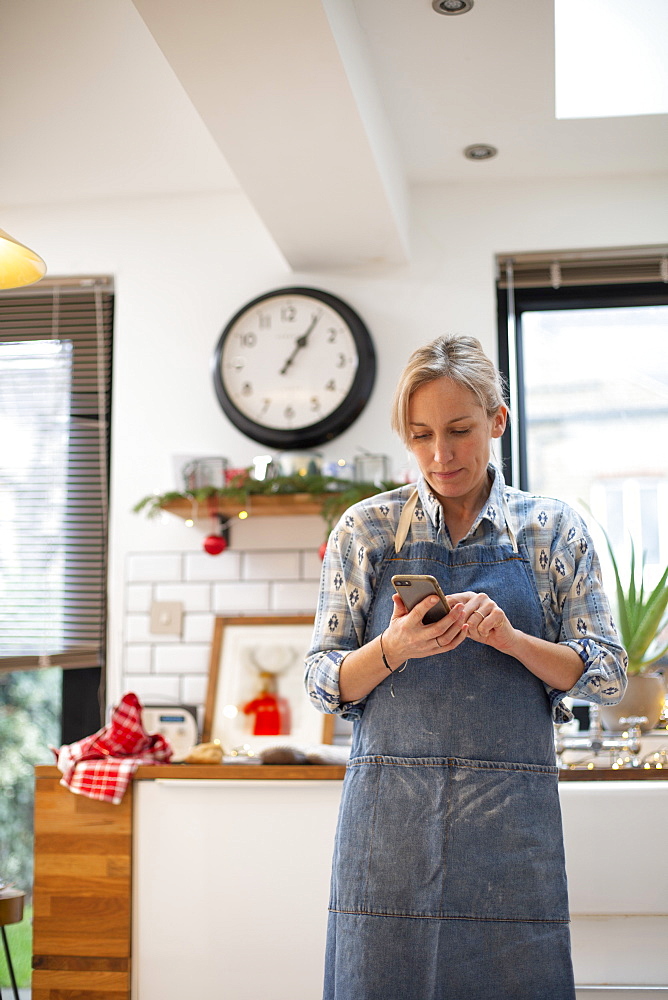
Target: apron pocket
x: 389, y: 854
x: 504, y: 853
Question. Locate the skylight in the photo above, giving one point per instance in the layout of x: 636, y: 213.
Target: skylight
x: 610, y: 58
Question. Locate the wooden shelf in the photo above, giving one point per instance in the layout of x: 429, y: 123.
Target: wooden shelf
x: 285, y: 505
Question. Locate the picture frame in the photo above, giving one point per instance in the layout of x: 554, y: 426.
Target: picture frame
x: 256, y: 685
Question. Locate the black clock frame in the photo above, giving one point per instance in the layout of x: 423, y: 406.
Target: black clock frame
x: 339, y: 419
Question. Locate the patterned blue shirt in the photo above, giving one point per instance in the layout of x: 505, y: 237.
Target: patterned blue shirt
x: 565, y: 568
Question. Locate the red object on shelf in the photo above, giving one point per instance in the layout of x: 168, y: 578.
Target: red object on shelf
x: 322, y: 550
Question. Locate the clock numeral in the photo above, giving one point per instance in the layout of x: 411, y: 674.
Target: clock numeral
x: 331, y: 339
x: 246, y: 389
x: 331, y: 385
x: 266, y: 403
x: 248, y: 339
x: 289, y: 412
x: 288, y: 314
x: 315, y: 403
x: 265, y: 320
x: 342, y: 362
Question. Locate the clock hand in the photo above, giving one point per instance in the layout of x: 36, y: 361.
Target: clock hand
x: 299, y: 344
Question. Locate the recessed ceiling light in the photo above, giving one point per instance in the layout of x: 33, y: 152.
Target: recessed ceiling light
x: 452, y: 6
x: 480, y: 151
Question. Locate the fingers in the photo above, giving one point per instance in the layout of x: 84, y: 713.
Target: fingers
x: 413, y: 639
x: 485, y: 620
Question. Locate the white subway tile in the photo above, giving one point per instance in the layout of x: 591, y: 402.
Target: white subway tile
x: 193, y: 689
x: 240, y: 598
x: 202, y: 566
x: 153, y: 567
x: 198, y: 628
x: 138, y: 597
x: 193, y: 596
x: 138, y: 659
x: 154, y: 690
x: 186, y: 658
x: 271, y: 565
x: 311, y: 567
x: 278, y: 533
x: 299, y: 597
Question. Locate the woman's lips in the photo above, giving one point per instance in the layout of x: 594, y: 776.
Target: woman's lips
x: 445, y: 476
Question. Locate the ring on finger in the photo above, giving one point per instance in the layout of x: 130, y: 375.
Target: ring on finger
x: 482, y: 617
x: 438, y: 643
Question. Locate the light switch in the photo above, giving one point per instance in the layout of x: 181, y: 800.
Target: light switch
x: 166, y: 617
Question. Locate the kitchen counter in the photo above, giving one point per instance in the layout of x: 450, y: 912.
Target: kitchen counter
x: 227, y: 866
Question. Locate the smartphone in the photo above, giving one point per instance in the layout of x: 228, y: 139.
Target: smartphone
x: 414, y: 588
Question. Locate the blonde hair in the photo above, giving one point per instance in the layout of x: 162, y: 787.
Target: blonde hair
x: 459, y: 358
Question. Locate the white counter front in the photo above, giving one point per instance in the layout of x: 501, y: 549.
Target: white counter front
x: 231, y: 882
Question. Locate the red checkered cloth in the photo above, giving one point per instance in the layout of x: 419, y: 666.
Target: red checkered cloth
x: 101, y: 766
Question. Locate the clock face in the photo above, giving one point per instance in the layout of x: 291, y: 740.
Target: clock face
x: 294, y: 367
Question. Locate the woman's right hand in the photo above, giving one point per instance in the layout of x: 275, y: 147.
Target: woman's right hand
x: 407, y: 638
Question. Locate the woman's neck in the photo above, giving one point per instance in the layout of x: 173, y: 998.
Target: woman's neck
x: 459, y: 513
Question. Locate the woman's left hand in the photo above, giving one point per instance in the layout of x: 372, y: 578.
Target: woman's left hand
x: 487, y: 622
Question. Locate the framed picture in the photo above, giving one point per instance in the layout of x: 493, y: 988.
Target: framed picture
x: 256, y: 693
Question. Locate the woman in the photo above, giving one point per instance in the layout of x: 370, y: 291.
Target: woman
x: 448, y: 878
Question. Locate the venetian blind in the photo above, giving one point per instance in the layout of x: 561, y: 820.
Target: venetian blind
x: 564, y: 268
x: 55, y: 393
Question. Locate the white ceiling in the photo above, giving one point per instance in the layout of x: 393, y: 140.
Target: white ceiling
x: 324, y: 112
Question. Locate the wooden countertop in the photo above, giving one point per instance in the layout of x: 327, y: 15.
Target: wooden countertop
x: 329, y: 772
x: 224, y: 772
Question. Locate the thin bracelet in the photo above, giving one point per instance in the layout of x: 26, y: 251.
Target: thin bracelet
x: 398, y: 670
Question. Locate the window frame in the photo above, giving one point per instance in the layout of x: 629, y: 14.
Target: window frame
x: 510, y: 308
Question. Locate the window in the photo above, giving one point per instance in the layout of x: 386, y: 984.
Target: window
x: 583, y: 340
x: 55, y: 372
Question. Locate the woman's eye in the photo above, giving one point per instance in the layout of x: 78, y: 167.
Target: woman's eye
x: 464, y: 431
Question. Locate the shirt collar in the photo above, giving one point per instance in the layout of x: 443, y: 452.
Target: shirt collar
x: 493, y: 510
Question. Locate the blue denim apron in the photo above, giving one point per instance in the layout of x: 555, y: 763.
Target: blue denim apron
x: 448, y: 877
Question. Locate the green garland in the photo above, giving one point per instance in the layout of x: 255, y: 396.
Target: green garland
x: 337, y: 494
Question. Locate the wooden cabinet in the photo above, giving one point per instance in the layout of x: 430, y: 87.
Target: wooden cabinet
x: 82, y: 894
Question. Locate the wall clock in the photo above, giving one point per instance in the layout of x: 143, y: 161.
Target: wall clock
x: 294, y: 368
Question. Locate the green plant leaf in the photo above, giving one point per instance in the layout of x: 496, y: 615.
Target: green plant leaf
x: 622, y: 606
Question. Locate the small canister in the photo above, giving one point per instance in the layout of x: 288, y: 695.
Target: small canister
x: 203, y: 472
x: 371, y: 468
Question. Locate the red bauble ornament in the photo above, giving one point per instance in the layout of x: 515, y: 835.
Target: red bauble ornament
x: 322, y: 550
x: 214, y: 544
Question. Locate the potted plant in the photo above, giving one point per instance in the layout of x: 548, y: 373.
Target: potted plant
x: 641, y: 618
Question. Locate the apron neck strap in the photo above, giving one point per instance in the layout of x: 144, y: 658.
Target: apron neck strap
x: 405, y: 520
x: 509, y: 523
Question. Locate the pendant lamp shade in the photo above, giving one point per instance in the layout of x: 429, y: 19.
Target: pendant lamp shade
x: 18, y: 265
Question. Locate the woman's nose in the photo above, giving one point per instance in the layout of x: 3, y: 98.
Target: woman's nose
x: 442, y: 451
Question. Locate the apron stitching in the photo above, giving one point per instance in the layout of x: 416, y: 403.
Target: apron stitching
x: 371, y: 841
x: 461, y: 916
x: 474, y: 562
x: 548, y: 771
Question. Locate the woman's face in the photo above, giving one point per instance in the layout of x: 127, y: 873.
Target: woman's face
x: 450, y: 434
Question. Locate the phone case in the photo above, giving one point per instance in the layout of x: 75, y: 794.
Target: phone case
x: 413, y: 588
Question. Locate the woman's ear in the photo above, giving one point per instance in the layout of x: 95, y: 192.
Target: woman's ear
x: 499, y: 421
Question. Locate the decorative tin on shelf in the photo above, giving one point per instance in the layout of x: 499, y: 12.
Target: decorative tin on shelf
x: 203, y: 472
x: 371, y: 468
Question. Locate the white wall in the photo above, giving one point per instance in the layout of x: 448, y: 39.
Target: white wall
x: 183, y: 265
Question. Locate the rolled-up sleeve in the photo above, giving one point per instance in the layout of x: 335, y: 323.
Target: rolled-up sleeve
x: 580, y: 607
x: 346, y: 590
